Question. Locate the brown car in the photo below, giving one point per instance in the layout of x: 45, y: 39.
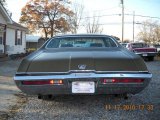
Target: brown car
x: 82, y: 64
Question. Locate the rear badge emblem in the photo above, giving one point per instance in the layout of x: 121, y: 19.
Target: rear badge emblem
x: 82, y: 67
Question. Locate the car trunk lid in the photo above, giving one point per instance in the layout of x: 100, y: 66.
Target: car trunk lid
x: 66, y: 61
x: 146, y: 49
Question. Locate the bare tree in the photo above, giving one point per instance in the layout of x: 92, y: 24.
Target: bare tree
x: 157, y: 34
x: 76, y: 19
x: 93, y: 26
x: 3, y: 2
x: 149, y: 32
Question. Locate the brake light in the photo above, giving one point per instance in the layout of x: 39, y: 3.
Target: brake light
x: 43, y: 82
x: 122, y: 80
x: 51, y: 81
x: 60, y: 82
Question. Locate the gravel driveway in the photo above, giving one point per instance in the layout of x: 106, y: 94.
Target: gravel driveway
x: 145, y: 105
x: 11, y: 99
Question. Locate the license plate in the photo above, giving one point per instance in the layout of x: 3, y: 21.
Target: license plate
x: 145, y: 55
x: 83, y: 87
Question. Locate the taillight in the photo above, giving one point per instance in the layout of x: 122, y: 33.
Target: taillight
x: 121, y: 80
x: 42, y: 82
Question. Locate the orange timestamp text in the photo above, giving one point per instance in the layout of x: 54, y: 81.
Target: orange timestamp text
x: 148, y: 107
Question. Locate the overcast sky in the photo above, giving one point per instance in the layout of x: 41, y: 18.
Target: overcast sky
x: 111, y: 24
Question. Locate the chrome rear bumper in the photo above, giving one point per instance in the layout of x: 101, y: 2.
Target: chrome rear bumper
x: 84, y: 75
x: 147, y: 54
x: 66, y: 88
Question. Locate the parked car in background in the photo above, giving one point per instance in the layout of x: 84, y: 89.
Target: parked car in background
x: 142, y: 49
x: 124, y: 44
x: 158, y: 47
x: 96, y: 65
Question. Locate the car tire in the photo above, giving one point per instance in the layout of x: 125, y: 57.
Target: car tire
x: 151, y: 58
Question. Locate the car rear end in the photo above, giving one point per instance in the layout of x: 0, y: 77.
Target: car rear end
x: 81, y: 72
x: 145, y: 51
x: 84, y: 83
x: 72, y: 71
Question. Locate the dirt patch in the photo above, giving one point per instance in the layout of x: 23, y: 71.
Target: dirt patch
x: 11, y: 99
x: 157, y: 58
x: 21, y: 101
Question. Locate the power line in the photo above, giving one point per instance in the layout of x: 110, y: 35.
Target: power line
x: 120, y: 15
x: 111, y: 23
x: 144, y: 16
x: 101, y: 16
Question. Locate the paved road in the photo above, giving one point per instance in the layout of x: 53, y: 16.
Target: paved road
x: 145, y: 105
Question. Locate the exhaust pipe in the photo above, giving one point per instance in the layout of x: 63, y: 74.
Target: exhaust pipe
x: 39, y: 97
x: 125, y: 96
x: 45, y: 97
x: 50, y: 96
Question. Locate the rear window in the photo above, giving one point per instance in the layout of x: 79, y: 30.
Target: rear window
x: 139, y: 45
x: 81, y: 42
x: 157, y: 46
x: 124, y: 44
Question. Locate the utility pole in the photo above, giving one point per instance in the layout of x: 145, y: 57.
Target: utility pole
x: 133, y: 23
x: 122, y: 20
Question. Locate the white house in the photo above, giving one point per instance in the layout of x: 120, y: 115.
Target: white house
x: 12, y: 35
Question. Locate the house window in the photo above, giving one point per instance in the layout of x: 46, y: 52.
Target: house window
x: 1, y: 38
x: 18, y: 37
